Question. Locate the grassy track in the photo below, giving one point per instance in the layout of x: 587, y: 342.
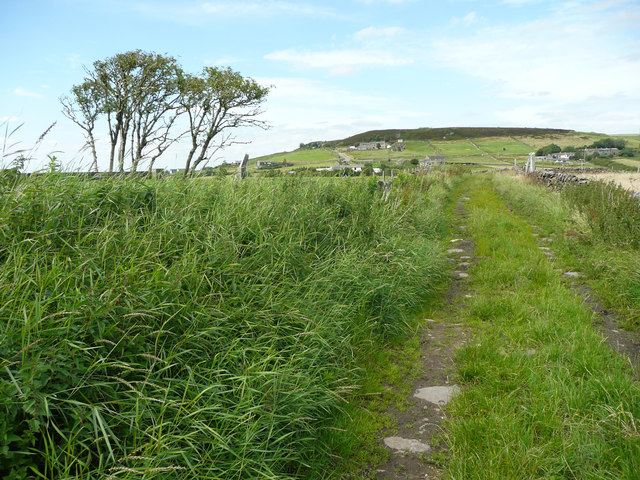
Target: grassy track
x: 544, y: 396
x: 596, y: 230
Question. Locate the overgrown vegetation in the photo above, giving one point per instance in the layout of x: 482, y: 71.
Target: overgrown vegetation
x: 612, y: 212
x: 201, y: 328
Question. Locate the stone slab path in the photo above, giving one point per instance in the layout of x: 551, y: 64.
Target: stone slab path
x: 413, y: 443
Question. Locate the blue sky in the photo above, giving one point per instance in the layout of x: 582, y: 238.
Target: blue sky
x: 339, y: 67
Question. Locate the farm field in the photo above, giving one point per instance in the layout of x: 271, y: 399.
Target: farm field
x: 306, y: 158
x: 491, y: 151
x: 631, y: 162
x: 503, y: 146
x: 456, y: 148
x: 413, y: 149
x: 573, y: 139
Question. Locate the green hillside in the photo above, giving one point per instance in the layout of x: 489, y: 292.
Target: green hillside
x: 492, y: 147
x: 447, y: 133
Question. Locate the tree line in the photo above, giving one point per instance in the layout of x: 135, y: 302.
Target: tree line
x: 146, y: 102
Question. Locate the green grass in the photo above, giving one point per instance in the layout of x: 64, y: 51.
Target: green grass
x: 595, y: 238
x: 298, y: 158
x: 376, y: 155
x: 503, y: 146
x: 457, y: 148
x: 420, y: 149
x: 543, y: 395
x: 200, y: 329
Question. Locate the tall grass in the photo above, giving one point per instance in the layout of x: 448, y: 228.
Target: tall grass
x: 196, y: 329
x: 611, y: 210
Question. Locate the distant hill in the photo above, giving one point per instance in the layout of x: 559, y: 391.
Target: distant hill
x: 492, y: 147
x: 448, y: 133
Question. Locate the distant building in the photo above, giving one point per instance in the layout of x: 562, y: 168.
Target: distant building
x: 267, y: 164
x: 372, y: 145
x: 432, y: 160
x: 605, y: 152
x: 355, y: 168
x: 398, y: 147
x: 561, y: 157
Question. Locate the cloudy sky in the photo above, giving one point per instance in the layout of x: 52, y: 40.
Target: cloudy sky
x: 338, y: 67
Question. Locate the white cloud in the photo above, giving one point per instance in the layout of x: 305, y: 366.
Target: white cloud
x: 518, y: 3
x: 368, y: 2
x: 556, y: 58
x: 75, y: 61
x: 8, y: 119
x: 25, y: 93
x: 575, y: 68
x: 469, y: 19
x: 339, y: 62
x: 260, y: 8
x: 370, y: 33
x: 206, y: 11
x: 223, y: 61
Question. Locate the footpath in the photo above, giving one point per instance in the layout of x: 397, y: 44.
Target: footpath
x: 414, y: 444
x: 517, y: 378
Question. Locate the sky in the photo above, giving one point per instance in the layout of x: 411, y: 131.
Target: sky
x: 336, y: 68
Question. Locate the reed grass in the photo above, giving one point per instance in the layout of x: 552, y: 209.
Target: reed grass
x: 198, y: 329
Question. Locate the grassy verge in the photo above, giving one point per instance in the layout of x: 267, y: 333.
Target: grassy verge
x: 595, y: 230
x: 200, y: 329
x: 543, y: 396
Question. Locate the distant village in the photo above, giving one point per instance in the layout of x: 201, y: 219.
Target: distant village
x: 563, y: 157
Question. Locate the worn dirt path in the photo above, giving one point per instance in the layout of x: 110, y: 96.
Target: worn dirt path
x: 414, y: 447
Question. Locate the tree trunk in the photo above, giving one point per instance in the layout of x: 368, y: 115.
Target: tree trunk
x: 92, y: 145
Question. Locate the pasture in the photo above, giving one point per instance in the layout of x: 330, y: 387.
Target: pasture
x: 300, y: 158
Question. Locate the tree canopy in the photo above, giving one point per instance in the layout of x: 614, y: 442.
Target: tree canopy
x: 139, y: 97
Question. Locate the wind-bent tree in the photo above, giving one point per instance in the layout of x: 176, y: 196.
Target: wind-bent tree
x: 138, y: 93
x: 215, y: 103
x: 141, y: 90
x: 83, y: 108
x: 154, y: 107
x: 141, y: 95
